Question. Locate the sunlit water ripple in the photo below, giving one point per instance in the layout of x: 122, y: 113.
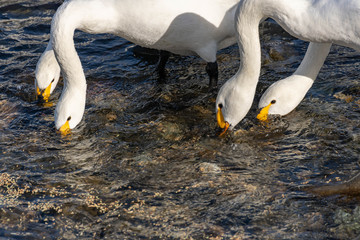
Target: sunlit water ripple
x: 146, y: 161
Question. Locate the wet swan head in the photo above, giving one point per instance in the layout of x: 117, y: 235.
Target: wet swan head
x: 283, y: 96
x: 70, y: 109
x: 47, y: 74
x: 232, y: 103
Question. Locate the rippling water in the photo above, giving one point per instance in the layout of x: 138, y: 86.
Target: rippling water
x: 146, y: 161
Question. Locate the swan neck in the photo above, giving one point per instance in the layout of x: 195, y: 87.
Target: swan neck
x: 69, y: 62
x: 63, y: 27
x: 247, y: 24
x: 314, y: 59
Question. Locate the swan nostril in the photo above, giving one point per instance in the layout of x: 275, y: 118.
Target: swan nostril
x: 273, y: 101
x: 220, y: 105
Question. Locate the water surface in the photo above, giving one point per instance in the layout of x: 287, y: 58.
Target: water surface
x: 146, y: 162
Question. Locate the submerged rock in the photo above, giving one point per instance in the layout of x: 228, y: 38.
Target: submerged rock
x: 8, y: 113
x: 208, y: 168
x: 171, y: 131
x: 348, y: 222
x: 351, y: 188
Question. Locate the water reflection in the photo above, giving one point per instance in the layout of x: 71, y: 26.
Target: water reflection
x: 146, y: 161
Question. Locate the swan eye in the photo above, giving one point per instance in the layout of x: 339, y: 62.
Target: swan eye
x: 220, y: 105
x: 52, y: 80
x: 69, y: 118
x: 273, y: 101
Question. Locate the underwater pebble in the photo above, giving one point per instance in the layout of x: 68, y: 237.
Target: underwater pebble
x: 275, y: 55
x: 315, y: 220
x: 7, y: 113
x: 208, y: 168
x: 170, y: 131
x: 344, y: 97
x: 358, y: 102
x: 202, y: 110
x: 355, y: 136
x: 142, y: 160
x: 348, y: 221
x: 111, y: 116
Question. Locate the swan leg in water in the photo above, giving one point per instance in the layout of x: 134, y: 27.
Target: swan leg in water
x: 160, y: 68
x: 322, y: 21
x: 285, y: 95
x: 211, y: 69
x: 183, y: 27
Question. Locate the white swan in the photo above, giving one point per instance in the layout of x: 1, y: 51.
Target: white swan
x: 322, y: 21
x: 183, y: 27
x: 283, y: 96
x: 47, y: 73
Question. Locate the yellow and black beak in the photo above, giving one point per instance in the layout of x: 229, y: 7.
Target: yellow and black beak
x: 221, y: 122
x: 264, y: 113
x: 65, y: 129
x: 44, y: 94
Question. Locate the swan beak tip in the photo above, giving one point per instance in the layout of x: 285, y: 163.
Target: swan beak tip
x: 221, y: 122
x: 65, y: 129
x: 45, y: 94
x: 263, y: 115
x: 227, y: 125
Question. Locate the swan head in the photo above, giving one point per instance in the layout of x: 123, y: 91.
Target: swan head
x: 47, y: 75
x: 283, y: 96
x: 70, y: 109
x: 233, y: 103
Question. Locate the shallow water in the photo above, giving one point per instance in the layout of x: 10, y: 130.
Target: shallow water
x: 146, y: 161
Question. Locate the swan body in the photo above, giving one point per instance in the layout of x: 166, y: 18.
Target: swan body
x: 182, y: 27
x: 320, y: 21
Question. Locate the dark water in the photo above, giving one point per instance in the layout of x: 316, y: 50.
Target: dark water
x: 146, y: 162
